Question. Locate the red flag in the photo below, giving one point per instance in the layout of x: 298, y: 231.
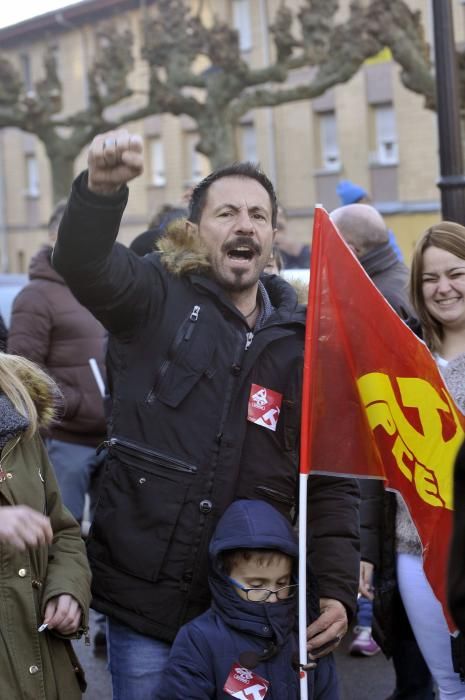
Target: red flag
x: 374, y: 402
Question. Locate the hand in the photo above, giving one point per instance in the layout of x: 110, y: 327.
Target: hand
x: 326, y: 632
x: 63, y: 613
x: 365, y: 584
x: 23, y: 527
x: 114, y: 158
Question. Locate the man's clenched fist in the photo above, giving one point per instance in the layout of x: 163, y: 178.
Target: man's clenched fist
x: 114, y: 159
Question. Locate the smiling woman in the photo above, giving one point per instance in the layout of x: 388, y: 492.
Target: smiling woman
x: 438, y: 295
x: 438, y: 288
x: 444, y: 287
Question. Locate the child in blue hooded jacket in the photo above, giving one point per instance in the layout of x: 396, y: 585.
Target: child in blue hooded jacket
x: 246, y: 644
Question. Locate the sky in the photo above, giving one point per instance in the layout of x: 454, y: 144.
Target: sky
x: 12, y: 11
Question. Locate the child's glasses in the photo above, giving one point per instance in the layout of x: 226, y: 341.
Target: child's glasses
x: 261, y: 595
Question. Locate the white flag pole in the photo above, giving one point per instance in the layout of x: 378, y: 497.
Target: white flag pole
x: 305, y: 451
x: 97, y: 376
x: 303, y: 656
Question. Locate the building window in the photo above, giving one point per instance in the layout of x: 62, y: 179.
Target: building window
x: 242, y: 22
x: 330, y: 156
x: 26, y: 71
x: 196, y: 163
x: 32, y: 176
x: 54, y: 52
x: 386, y: 146
x: 157, y: 163
x: 248, y: 144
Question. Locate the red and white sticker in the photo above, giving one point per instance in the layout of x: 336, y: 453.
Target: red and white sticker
x: 264, y: 406
x: 245, y: 684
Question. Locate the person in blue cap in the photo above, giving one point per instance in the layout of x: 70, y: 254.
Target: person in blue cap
x: 246, y: 644
x: 350, y: 193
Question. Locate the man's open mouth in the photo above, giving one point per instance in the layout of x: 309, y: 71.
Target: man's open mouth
x: 241, y: 253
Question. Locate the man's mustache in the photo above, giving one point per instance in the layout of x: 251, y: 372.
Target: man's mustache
x: 240, y: 241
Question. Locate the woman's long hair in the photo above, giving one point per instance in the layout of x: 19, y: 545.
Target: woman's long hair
x: 446, y: 235
x: 31, y: 391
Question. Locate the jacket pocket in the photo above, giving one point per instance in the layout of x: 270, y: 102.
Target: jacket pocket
x: 189, y: 358
x: 141, y: 498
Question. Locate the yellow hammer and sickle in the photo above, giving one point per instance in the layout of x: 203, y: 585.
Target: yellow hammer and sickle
x: 425, y: 458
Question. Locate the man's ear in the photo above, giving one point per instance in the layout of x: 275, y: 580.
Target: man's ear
x: 275, y: 231
x: 192, y: 229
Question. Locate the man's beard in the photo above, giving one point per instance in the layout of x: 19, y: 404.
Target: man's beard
x: 237, y: 285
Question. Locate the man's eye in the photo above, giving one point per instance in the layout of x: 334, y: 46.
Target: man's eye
x: 259, y: 216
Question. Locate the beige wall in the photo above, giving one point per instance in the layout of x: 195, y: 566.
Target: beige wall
x: 287, y: 139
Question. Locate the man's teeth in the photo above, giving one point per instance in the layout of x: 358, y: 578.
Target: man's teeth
x: 243, y: 252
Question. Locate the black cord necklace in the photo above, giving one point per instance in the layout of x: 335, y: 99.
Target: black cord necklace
x: 251, y: 312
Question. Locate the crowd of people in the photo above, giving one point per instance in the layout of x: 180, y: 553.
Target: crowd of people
x: 181, y: 356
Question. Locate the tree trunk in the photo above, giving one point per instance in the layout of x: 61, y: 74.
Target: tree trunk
x: 217, y: 139
x: 62, y: 172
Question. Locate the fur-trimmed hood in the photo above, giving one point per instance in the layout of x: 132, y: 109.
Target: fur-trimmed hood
x: 181, y: 252
x: 40, y: 387
x: 45, y: 395
x: 301, y: 289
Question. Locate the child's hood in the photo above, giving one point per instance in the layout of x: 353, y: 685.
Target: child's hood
x: 253, y: 524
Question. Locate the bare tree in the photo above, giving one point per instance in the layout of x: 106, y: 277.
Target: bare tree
x: 218, y: 95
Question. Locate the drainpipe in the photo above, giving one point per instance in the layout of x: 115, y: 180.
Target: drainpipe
x: 452, y: 179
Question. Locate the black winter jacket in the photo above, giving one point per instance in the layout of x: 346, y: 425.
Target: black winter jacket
x: 181, y: 448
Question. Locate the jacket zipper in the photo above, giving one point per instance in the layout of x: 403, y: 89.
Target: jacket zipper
x: 3, y: 458
x: 276, y: 495
x: 182, y: 334
x: 238, y: 354
x: 149, y: 455
x: 193, y: 318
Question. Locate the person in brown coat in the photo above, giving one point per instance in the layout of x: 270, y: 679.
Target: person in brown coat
x: 51, y: 328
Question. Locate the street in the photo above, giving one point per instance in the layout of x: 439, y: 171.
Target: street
x: 361, y: 678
